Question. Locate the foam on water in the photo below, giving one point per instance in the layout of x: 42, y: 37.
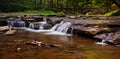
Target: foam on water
x: 48, y: 32
x: 57, y: 33
x: 100, y: 43
x: 32, y: 30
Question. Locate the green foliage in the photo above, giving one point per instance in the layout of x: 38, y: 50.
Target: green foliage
x: 113, y: 13
x: 73, y: 6
x: 39, y: 12
x: 90, y: 13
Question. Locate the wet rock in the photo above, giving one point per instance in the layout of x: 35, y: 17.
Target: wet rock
x: 10, y: 32
x: 18, y: 49
x: 18, y: 41
x: 3, y: 23
x: 57, y: 21
x: 47, y: 26
x: 35, y: 43
x: 72, y: 17
x: 55, y: 46
x: 113, y: 37
x: 43, y: 45
x: 4, y: 28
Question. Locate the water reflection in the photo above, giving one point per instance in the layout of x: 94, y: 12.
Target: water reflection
x: 66, y: 39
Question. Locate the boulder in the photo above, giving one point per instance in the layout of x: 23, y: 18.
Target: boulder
x: 4, y: 28
x: 10, y: 32
x: 72, y: 17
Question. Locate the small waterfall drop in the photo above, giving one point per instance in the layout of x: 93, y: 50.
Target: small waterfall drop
x: 64, y: 27
x: 101, y: 43
x: 72, y: 29
x: 54, y: 27
x: 61, y: 27
x: 21, y: 23
x: 11, y: 23
x: 16, y: 23
x: 42, y: 23
x: 110, y: 37
x: 31, y: 25
x: 41, y: 27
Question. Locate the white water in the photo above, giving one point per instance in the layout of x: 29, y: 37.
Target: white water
x: 101, y: 43
x: 18, y: 23
x: 41, y: 24
x: 31, y: 25
x: 110, y: 38
x: 21, y: 24
x: 72, y: 31
x: 60, y: 29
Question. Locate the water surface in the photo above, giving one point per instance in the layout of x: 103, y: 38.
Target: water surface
x: 73, y: 47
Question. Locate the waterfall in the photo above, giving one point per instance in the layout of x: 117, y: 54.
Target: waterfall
x: 114, y: 36
x: 61, y: 27
x: 71, y: 31
x: 41, y: 27
x: 16, y: 23
x: 64, y: 27
x: 41, y: 24
x: 44, y: 21
x: 21, y: 23
x: 110, y: 37
x: 31, y: 25
x: 56, y: 26
x: 11, y: 23
x: 101, y: 43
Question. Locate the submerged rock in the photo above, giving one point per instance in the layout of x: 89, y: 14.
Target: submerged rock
x: 10, y: 32
x: 72, y: 17
x: 18, y: 49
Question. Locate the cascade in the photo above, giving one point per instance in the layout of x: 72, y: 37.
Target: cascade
x: 41, y: 27
x: 31, y: 25
x: 21, y: 23
x: 72, y: 29
x: 16, y: 23
x: 41, y: 24
x: 110, y: 37
x: 64, y: 27
x: 61, y: 27
x: 11, y: 23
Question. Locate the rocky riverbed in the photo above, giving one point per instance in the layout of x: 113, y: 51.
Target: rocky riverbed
x: 71, y: 47
x: 88, y: 26
x: 24, y: 44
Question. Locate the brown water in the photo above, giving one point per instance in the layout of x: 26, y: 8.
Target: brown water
x: 73, y: 47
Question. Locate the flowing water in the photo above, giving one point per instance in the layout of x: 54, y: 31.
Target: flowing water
x: 58, y: 29
x: 16, y: 23
x: 110, y: 37
x: 31, y: 25
x: 73, y: 47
